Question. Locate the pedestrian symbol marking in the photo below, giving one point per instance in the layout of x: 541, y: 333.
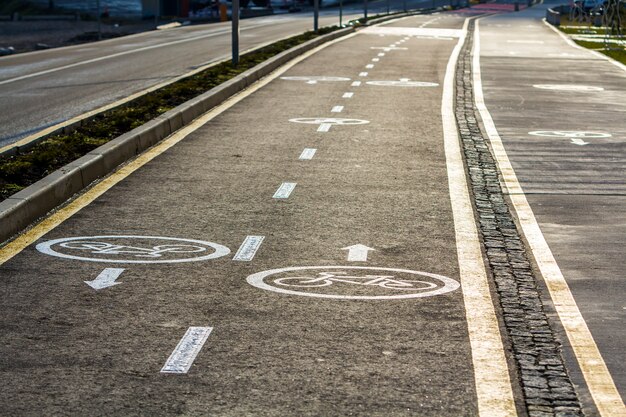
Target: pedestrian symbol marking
x: 132, y: 249
x: 326, y: 123
x: 569, y: 134
x: 185, y: 353
x: 568, y: 87
x: 352, y: 282
x: 315, y: 79
x: 403, y: 82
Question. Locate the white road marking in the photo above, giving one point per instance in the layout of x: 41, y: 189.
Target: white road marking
x: 594, y: 370
x: 248, y: 248
x: 357, y: 253
x: 492, y: 382
x: 579, y: 142
x: 337, y: 109
x: 285, y: 190
x: 375, y: 59
x: 324, y: 127
x: 369, y: 66
x: 524, y: 41
x: 307, y: 154
x: 404, y: 82
x: 569, y: 134
x: 568, y: 87
x: 356, y: 84
x: 412, y: 31
x: 381, y: 54
x: 362, y: 74
x: 314, y: 79
x: 422, y: 284
x: 186, y: 351
x: 106, y: 278
x: 347, y: 95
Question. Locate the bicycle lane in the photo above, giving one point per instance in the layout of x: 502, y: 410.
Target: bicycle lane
x: 292, y: 179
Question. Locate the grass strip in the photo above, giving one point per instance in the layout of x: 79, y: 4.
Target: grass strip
x: 615, y: 50
x: 23, y: 169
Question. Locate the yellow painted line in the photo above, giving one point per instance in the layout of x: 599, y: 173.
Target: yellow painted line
x: 491, y: 374
x: 596, y: 374
x: 49, y: 223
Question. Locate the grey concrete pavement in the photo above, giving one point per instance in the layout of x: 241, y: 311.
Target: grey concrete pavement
x: 560, y: 113
x: 42, y: 89
x: 378, y: 177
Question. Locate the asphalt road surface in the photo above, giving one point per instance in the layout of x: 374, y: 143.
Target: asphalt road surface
x: 42, y: 89
x: 559, y: 111
x: 299, y: 251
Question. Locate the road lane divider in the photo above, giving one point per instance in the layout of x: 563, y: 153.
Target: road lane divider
x: 307, y: 154
x: 492, y: 381
x: 188, y: 348
x: 356, y: 84
x: 594, y: 370
x: 249, y: 248
x: 51, y: 221
x: 363, y: 74
x: 285, y: 190
x: 337, y: 109
x: 347, y: 95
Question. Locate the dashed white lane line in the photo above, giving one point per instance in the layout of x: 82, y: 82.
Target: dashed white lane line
x: 285, y: 190
x: 596, y: 374
x: 381, y: 54
x: 375, y: 59
x: 347, y: 95
x: 249, y: 248
x: 324, y: 127
x: 356, y: 84
x: 363, y: 74
x: 369, y: 66
x: 491, y: 375
x: 337, y: 109
x: 186, y: 351
x: 307, y: 154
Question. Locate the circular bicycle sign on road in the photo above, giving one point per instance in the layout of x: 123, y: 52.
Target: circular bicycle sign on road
x: 132, y: 249
x: 569, y: 134
x: 352, y: 282
x: 403, y: 82
x: 568, y: 87
x: 315, y: 79
x: 328, y: 121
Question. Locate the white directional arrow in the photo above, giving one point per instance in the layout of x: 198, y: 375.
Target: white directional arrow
x: 106, y: 278
x: 579, y: 142
x: 357, y: 253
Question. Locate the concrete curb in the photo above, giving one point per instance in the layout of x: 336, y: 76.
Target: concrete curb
x: 23, y: 208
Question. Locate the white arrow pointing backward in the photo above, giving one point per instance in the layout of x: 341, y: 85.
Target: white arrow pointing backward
x: 357, y: 253
x: 106, y: 278
x: 579, y: 142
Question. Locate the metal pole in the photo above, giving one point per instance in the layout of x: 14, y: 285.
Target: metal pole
x: 341, y: 13
x: 316, y: 15
x: 365, y: 10
x: 157, y: 12
x: 99, y: 23
x: 235, y: 30
x: 387, y: 6
x: 404, y: 5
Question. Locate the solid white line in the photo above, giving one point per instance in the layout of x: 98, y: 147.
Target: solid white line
x: 307, y: 154
x: 356, y: 84
x: 337, y: 109
x: 324, y: 127
x: 362, y: 74
x: 186, y: 351
x: 493, y: 386
x: 347, y: 95
x: 248, y: 248
x: 596, y: 374
x: 285, y: 190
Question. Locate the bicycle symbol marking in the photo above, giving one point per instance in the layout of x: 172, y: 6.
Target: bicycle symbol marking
x: 569, y: 134
x: 117, y: 249
x: 568, y: 87
x: 341, y: 282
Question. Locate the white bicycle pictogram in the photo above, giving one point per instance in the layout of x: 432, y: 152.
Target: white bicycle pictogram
x: 132, y: 249
x: 325, y: 279
x: 349, y: 282
x: 103, y: 248
x: 569, y: 134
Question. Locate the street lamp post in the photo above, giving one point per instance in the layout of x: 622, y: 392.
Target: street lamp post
x: 316, y: 15
x: 235, y: 31
x: 365, y: 10
x: 341, y: 13
x: 99, y: 19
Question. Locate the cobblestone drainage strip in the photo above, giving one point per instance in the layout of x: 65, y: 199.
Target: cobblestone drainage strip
x: 546, y: 385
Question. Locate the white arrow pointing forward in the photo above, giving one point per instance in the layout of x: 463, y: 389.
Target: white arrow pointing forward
x: 357, y: 253
x: 106, y: 278
x: 580, y: 142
